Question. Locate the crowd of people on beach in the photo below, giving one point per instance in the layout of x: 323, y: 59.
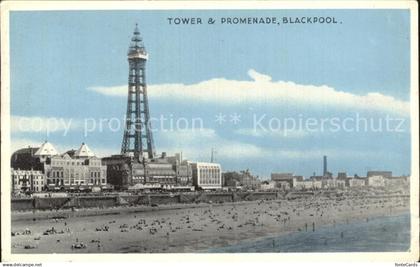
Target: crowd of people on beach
x: 154, y: 232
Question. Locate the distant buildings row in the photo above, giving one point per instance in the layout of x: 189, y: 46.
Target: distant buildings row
x: 43, y: 168
x: 244, y: 180
x: 288, y: 181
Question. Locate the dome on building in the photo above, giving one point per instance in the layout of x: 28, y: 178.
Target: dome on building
x: 84, y: 152
x: 46, y: 149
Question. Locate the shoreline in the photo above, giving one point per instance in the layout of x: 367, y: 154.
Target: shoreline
x: 279, y: 236
x: 286, y: 233
x: 198, y: 228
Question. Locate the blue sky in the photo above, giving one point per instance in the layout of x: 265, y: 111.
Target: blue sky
x: 73, y: 66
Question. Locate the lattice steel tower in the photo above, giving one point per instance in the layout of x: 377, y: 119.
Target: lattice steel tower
x: 137, y: 139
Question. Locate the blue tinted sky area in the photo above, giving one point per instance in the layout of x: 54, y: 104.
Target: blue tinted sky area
x: 73, y: 65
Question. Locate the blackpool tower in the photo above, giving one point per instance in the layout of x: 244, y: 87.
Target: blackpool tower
x: 137, y: 139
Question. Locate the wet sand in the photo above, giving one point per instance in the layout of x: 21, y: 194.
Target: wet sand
x: 196, y: 229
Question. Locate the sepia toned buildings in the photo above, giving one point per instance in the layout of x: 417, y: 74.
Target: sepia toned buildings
x: 74, y: 170
x: 27, y: 181
x: 207, y: 175
x: 285, y: 180
x: 125, y: 172
x: 241, y: 180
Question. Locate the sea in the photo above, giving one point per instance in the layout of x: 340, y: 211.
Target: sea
x: 381, y: 234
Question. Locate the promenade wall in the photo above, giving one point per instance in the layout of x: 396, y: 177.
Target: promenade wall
x: 61, y: 203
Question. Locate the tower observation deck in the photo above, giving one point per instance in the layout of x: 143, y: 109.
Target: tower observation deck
x: 137, y: 139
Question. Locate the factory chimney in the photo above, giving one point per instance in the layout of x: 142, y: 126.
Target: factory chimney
x: 325, y: 167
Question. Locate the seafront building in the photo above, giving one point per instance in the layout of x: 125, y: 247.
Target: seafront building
x: 268, y: 186
x: 356, y: 182
x: 376, y: 181
x: 243, y: 180
x: 341, y: 175
x: 27, y: 181
x: 77, y: 170
x: 384, y: 174
x: 207, y: 175
x: 308, y: 185
x: 286, y: 180
x: 398, y: 181
x: 126, y: 172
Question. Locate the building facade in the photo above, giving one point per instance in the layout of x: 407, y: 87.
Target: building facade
x: 243, y: 179
x: 65, y: 172
x: 308, y: 185
x: 333, y: 183
x: 356, y: 182
x: 285, y: 181
x: 125, y: 172
x: 397, y: 182
x: 27, y: 181
x: 74, y: 170
x: 376, y: 181
x: 385, y: 174
x: 342, y: 175
x: 207, y: 175
x: 268, y: 185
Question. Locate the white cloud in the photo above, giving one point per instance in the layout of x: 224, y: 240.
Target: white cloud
x: 259, y: 77
x: 120, y: 90
x: 261, y: 89
x: 271, y: 133
x: 197, y: 145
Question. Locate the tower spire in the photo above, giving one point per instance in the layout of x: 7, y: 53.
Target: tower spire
x: 137, y: 139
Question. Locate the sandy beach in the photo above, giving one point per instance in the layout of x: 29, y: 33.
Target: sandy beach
x: 188, y: 229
